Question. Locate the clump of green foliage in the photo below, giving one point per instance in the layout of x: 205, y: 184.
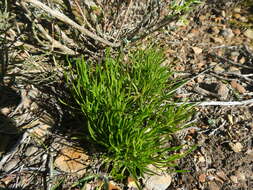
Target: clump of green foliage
x: 128, y: 108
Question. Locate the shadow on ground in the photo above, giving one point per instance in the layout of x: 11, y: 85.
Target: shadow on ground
x: 8, y: 130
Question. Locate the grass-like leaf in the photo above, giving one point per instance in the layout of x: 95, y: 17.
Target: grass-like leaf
x: 124, y: 105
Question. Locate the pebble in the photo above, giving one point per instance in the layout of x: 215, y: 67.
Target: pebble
x: 197, y: 50
x: 243, y: 19
x: 242, y: 60
x: 223, y: 13
x: 72, y: 160
x: 238, y: 86
x: 237, y: 31
x: 31, y: 150
x: 236, y: 15
x: 234, y: 179
x: 227, y: 33
x: 233, y: 69
x: 248, y: 33
x: 222, y: 91
x: 202, y: 178
x: 237, y: 10
x: 218, y: 69
x: 5, y: 111
x: 236, y: 147
x: 158, y: 182
x: 217, y: 40
x: 241, y: 176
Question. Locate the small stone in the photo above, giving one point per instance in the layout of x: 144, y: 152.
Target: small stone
x: 243, y: 19
x: 218, y: 69
x: 234, y: 55
x: 217, y: 40
x: 131, y: 184
x: 113, y: 186
x: 233, y: 69
x: 31, y: 150
x: 236, y: 147
x: 240, y: 176
x: 234, y: 179
x: 242, y: 60
x: 227, y: 33
x: 158, y: 182
x: 202, y: 178
x: 223, y: 13
x: 238, y: 87
x: 5, y: 111
x: 236, y: 15
x: 237, y: 10
x: 237, y: 31
x: 212, y: 63
x: 222, y: 91
x: 202, y: 17
x: 202, y: 159
x: 249, y: 33
x: 197, y: 50
x: 72, y: 161
x: 230, y: 119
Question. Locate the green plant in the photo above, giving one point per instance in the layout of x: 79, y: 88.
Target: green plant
x: 126, y: 110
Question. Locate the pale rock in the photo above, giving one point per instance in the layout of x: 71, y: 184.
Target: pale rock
x: 217, y: 40
x: 233, y: 69
x: 249, y: 33
x: 223, y: 13
x: 5, y: 111
x: 237, y: 10
x: 234, y: 179
x: 240, y: 176
x: 242, y: 60
x: 158, y: 182
x: 131, y: 184
x: 202, y: 178
x: 31, y: 150
x: 243, y: 19
x: 72, y: 160
x: 222, y: 91
x: 202, y: 159
x: 236, y: 147
x: 218, y: 69
x: 227, y: 33
x: 238, y: 86
x: 237, y: 15
x: 197, y: 50
x: 237, y: 31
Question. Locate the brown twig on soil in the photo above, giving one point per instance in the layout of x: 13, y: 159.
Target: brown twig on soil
x: 124, y: 19
x: 55, y: 43
x: 231, y: 62
x: 70, y: 22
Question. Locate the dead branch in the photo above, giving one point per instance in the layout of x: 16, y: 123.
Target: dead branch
x: 70, y: 22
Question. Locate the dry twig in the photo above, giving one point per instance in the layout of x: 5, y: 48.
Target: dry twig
x: 70, y: 22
